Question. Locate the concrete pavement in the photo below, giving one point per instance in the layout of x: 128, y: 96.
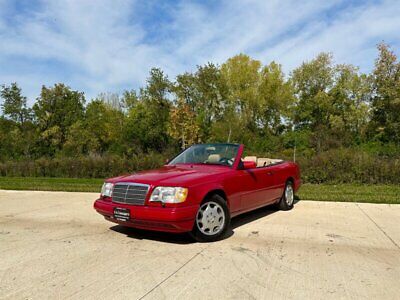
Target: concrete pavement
x: 54, y: 246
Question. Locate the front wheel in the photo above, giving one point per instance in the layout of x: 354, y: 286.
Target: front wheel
x: 212, y: 220
x: 287, y: 199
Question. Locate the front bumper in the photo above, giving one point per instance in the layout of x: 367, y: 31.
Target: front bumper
x: 177, y: 219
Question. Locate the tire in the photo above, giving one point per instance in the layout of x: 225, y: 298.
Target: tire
x: 212, y: 220
x: 287, y: 199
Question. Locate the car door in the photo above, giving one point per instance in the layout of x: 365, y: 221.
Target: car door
x: 257, y: 184
x: 267, y: 179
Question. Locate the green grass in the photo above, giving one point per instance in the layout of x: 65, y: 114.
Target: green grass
x: 377, y: 193
x: 322, y: 192
x: 51, y: 184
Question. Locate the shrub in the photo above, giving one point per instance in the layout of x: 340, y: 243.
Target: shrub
x: 81, y: 167
x: 333, y: 166
x: 349, y: 166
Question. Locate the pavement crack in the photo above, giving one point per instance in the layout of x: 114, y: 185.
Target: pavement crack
x: 380, y: 228
x: 172, y: 274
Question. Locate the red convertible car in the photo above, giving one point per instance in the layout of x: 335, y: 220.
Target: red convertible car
x: 199, y: 191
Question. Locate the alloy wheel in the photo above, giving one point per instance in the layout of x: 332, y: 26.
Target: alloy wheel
x: 210, y: 218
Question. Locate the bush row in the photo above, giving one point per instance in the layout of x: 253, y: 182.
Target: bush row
x: 334, y: 166
x: 349, y: 166
x: 81, y: 167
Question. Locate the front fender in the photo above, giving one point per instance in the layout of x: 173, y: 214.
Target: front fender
x: 201, y: 191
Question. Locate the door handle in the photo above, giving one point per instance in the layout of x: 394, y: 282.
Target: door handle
x: 270, y: 173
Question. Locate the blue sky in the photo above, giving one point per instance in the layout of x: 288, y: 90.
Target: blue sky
x: 108, y: 46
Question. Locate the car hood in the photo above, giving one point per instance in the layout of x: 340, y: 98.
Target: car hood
x: 180, y: 175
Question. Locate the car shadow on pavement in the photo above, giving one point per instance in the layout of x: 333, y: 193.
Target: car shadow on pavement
x: 252, y: 216
x: 185, y: 238
x: 166, y: 237
x: 249, y: 217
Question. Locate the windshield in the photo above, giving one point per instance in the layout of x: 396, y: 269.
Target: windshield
x: 212, y: 154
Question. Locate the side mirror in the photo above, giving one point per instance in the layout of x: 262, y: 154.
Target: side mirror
x: 249, y: 165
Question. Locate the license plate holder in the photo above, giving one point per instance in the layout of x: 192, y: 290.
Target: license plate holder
x: 122, y: 214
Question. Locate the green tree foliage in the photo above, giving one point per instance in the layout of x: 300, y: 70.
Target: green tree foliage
x: 129, y: 99
x: 147, y: 121
x: 243, y: 77
x: 276, y: 99
x: 17, y: 133
x: 14, y: 105
x: 312, y: 82
x: 331, y: 102
x: 183, y: 126
x: 385, y: 125
x: 56, y: 109
x: 99, y: 132
x: 205, y: 92
x: 259, y: 102
x: 327, y: 110
x: 350, y: 112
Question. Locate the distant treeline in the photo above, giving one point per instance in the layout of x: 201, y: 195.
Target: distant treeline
x: 344, y: 124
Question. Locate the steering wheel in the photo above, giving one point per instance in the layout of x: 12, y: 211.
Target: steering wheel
x: 226, y: 161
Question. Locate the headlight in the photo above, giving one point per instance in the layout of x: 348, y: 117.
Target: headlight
x: 169, y: 194
x: 107, y: 188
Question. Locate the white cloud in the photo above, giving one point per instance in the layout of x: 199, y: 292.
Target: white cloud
x: 351, y: 37
x: 97, y: 42
x: 99, y: 46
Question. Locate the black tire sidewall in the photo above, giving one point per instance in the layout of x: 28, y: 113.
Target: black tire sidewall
x: 282, y: 203
x: 201, y: 237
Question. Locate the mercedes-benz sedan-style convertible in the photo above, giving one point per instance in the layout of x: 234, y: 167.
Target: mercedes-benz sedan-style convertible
x: 199, y: 191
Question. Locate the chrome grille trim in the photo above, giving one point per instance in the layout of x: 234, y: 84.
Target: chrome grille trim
x: 130, y: 193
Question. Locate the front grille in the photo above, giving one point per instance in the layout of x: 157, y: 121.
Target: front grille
x: 130, y: 193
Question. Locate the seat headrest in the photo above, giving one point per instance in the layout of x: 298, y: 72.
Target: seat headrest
x: 250, y: 158
x: 213, y: 158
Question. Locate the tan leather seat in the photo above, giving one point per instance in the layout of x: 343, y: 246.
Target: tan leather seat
x: 275, y: 160
x: 250, y: 158
x: 263, y: 162
x: 213, y: 158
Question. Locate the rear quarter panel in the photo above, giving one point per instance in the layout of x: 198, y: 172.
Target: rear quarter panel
x: 283, y: 172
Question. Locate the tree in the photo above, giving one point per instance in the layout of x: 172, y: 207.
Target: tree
x: 186, y: 89
x: 56, y: 110
x: 350, y: 113
x: 157, y: 88
x: 312, y: 82
x: 331, y: 102
x: 98, y: 133
x: 276, y: 99
x: 8, y: 149
x: 129, y: 99
x: 205, y: 92
x: 385, y: 124
x: 147, y: 121
x: 259, y: 102
x: 17, y: 133
x: 243, y: 77
x: 212, y: 96
x: 183, y: 125
x: 14, y: 105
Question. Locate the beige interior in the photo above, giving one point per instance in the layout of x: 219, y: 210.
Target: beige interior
x: 262, y: 161
x: 251, y: 158
x: 213, y: 158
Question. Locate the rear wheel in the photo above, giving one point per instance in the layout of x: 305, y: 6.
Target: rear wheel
x: 287, y: 199
x: 212, y: 220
